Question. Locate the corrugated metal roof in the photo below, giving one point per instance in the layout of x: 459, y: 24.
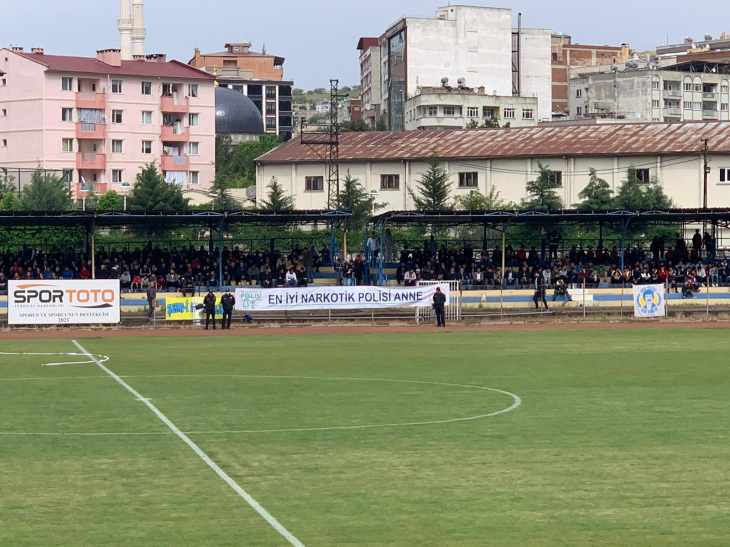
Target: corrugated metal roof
x: 90, y: 65
x: 527, y: 142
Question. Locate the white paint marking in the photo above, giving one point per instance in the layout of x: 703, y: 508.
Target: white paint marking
x: 95, y: 358
x: 517, y: 402
x: 202, y: 455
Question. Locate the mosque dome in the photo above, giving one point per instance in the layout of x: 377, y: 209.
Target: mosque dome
x: 236, y: 114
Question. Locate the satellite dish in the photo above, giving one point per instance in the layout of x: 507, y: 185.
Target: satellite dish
x: 251, y: 192
x: 614, y: 67
x: 461, y: 82
x: 444, y: 81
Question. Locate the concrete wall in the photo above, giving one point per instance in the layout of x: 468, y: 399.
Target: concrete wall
x: 470, y: 42
x: 536, y: 74
x: 681, y: 177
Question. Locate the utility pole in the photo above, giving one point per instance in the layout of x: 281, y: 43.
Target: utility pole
x: 705, y: 150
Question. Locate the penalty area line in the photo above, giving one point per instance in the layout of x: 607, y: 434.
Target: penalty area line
x: 202, y: 455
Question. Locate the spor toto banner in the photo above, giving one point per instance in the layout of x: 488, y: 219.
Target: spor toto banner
x: 336, y: 298
x: 649, y: 301
x: 63, y: 302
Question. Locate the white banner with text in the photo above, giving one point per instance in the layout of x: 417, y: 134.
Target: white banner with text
x: 63, y: 302
x: 650, y: 301
x: 337, y: 298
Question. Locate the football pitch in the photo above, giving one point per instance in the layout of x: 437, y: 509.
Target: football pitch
x: 549, y: 438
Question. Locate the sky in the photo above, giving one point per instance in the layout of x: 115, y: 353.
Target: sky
x: 318, y: 38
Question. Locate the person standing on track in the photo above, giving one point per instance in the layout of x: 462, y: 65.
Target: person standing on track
x: 209, y: 308
x: 540, y: 288
x: 152, y: 296
x: 439, y: 303
x: 228, y: 301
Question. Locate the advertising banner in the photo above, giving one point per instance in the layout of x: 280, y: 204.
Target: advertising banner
x: 64, y: 302
x: 650, y: 301
x: 336, y: 298
x: 188, y: 309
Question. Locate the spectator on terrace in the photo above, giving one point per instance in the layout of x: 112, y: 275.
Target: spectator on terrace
x: 291, y: 278
x: 410, y: 278
x: 84, y: 273
x: 308, y: 257
x: 561, y: 290
x: 697, y: 243
x: 359, y: 269
x: 478, y: 278
x: 687, y: 288
x: 373, y: 246
x: 3, y: 283
x: 253, y: 274
x: 67, y: 273
x: 709, y: 243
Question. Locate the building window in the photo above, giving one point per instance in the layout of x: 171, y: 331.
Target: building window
x: 449, y: 111
x: 556, y: 179
x: 117, y: 147
x: 578, y: 93
x: 472, y: 111
x: 389, y: 182
x: 270, y: 92
x: 724, y: 175
x: 655, y: 85
x: 193, y: 120
x: 271, y: 107
x: 117, y: 176
x: 194, y: 177
x: 3, y: 82
x: 193, y: 90
x: 146, y: 147
x: 314, y: 184
x: 697, y: 106
x: 270, y: 123
x: 5, y: 143
x: 698, y: 87
x: 488, y: 113
x: 527, y: 114
x: 229, y: 62
x: 723, y: 107
x: 468, y: 180
x: 68, y: 175
x: 655, y: 119
x: 116, y: 86
x: 579, y: 111
x: 433, y: 111
x: 655, y: 104
x: 724, y: 88
x: 146, y: 118
x: 4, y: 112
x: 67, y: 84
x: 688, y: 87
x: 708, y: 105
x: 146, y: 88
x: 509, y: 113
x: 194, y: 148
x: 67, y: 114
x: 67, y: 145
x: 117, y: 116
x: 688, y: 105
x: 643, y: 175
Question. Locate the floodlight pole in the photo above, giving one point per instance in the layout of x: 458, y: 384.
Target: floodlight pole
x: 705, y: 150
x: 93, y: 250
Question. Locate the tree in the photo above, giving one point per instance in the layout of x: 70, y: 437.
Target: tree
x: 637, y: 195
x: 152, y: 193
x: 9, y: 202
x: 111, y: 201
x: 492, y: 123
x: 476, y: 201
x: 297, y: 91
x: 541, y: 192
x: 236, y: 164
x: 320, y: 91
x: 46, y: 192
x: 434, y: 188
x: 354, y: 126
x: 597, y: 195
x: 276, y: 200
x: 473, y: 124
x: 382, y: 124
x: 354, y: 198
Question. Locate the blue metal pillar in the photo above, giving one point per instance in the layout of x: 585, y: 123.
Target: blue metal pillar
x: 381, y: 257
x: 220, y: 253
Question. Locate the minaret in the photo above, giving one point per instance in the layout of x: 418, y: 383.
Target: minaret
x: 125, y: 25
x: 138, y: 31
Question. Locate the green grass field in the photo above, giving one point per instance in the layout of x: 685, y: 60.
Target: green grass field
x: 621, y: 439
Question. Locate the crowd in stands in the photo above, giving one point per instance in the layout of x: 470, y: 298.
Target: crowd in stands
x: 680, y: 266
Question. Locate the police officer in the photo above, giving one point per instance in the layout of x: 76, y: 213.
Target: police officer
x: 209, y: 308
x: 439, y: 301
x: 228, y: 301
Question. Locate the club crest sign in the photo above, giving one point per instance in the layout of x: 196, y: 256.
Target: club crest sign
x: 649, y: 301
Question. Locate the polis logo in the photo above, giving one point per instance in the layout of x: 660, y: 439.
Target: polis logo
x: 77, y: 298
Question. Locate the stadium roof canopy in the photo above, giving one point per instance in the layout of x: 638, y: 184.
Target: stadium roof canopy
x: 12, y: 219
x: 459, y: 218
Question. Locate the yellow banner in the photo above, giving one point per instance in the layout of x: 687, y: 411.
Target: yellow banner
x: 188, y: 309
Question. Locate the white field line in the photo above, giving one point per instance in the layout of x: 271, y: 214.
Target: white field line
x: 101, y: 358
x: 517, y: 402
x: 202, y: 455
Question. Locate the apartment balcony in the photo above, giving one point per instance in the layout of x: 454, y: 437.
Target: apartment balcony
x: 90, y: 161
x: 708, y: 95
x: 672, y: 111
x: 672, y: 93
x: 93, y: 131
x: 709, y: 115
x: 172, y: 134
x: 175, y: 105
x: 175, y: 163
x: 91, y: 100
x: 91, y: 189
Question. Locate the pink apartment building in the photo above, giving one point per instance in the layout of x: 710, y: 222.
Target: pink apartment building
x: 102, y: 119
